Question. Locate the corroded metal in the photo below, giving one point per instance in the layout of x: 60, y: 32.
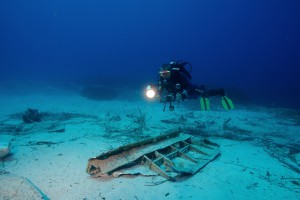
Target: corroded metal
x: 170, y: 155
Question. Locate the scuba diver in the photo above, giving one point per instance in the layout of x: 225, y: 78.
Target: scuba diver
x: 174, y: 84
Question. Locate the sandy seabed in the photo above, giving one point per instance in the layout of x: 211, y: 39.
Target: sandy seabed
x: 260, y: 148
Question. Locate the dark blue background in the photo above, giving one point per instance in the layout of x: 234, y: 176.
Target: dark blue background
x: 252, y: 45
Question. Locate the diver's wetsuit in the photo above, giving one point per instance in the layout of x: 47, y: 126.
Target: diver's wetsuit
x: 180, y: 81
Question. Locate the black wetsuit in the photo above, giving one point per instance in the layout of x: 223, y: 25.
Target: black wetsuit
x: 180, y: 81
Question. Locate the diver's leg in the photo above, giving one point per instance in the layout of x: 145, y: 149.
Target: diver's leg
x: 226, y: 102
x: 217, y: 92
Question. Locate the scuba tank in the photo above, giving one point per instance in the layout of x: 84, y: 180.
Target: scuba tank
x: 180, y: 66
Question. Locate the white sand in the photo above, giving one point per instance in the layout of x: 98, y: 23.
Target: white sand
x: 58, y: 170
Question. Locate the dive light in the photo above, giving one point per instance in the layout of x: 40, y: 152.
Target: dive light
x: 150, y: 92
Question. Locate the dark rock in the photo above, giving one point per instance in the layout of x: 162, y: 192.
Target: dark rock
x: 31, y: 116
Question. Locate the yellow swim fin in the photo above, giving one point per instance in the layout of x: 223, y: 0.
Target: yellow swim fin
x: 227, y: 103
x: 204, y: 103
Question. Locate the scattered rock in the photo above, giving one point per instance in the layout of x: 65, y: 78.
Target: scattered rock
x: 5, y: 149
x: 31, y: 116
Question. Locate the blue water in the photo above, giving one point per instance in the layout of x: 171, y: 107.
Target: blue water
x: 248, y: 46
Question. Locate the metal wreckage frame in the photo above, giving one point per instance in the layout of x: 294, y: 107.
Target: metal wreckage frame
x: 170, y: 155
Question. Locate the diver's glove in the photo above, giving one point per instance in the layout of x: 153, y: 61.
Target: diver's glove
x: 178, y: 97
x: 181, y: 96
